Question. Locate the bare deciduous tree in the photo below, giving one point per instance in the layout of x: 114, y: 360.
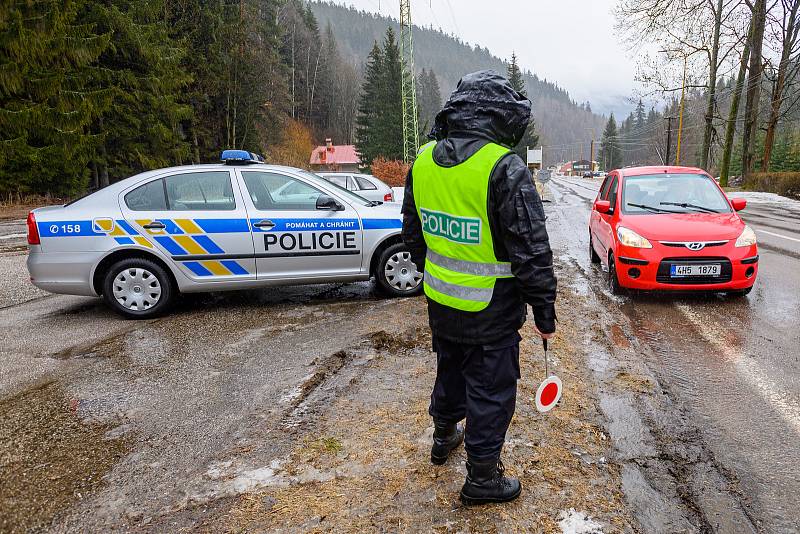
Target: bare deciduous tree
x: 784, y: 28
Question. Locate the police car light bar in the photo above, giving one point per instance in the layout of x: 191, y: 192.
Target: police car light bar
x: 240, y: 156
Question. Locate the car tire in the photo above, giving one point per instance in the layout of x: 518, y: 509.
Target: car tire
x: 395, y: 274
x: 592, y: 254
x: 613, y: 280
x: 138, y: 288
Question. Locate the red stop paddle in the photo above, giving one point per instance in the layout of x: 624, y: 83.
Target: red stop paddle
x: 549, y: 392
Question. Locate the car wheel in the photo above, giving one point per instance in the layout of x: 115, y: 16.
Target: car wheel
x: 613, y: 280
x: 395, y: 274
x: 592, y: 254
x: 138, y: 288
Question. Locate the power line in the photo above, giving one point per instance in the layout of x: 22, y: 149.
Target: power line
x: 453, y: 16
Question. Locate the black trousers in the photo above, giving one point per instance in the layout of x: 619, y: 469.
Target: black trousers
x: 478, y: 382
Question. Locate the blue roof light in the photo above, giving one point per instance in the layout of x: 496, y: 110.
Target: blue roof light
x: 240, y: 156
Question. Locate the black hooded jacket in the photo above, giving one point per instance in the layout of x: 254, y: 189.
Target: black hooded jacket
x: 485, y: 108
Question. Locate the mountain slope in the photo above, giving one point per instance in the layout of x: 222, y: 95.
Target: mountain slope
x: 559, y: 120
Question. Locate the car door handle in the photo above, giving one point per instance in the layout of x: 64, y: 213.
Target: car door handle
x: 264, y: 224
x: 154, y: 226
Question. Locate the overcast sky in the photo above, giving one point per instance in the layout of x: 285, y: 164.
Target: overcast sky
x: 570, y: 42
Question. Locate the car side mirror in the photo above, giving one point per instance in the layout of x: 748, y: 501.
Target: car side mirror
x: 602, y: 206
x: 739, y: 203
x: 325, y: 202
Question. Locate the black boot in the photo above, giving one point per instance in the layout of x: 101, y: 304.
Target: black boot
x: 486, y: 484
x: 446, y: 437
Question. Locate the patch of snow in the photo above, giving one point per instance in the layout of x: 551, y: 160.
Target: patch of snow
x: 294, y: 393
x: 218, y: 470
x: 573, y: 522
x: 258, y: 478
x: 765, y: 198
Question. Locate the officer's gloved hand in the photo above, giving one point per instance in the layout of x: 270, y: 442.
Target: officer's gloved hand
x: 543, y: 336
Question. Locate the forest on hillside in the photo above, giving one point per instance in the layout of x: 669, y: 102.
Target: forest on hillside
x: 559, y: 119
x: 93, y: 91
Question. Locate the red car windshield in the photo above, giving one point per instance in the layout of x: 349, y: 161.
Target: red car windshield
x: 672, y: 193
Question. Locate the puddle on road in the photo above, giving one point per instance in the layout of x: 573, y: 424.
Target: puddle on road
x: 49, y: 457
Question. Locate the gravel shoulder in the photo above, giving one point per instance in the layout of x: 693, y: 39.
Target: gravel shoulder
x: 362, y: 462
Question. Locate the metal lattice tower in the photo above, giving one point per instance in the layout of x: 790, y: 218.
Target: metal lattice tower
x: 408, y: 84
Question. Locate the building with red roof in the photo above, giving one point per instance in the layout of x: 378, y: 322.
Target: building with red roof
x: 330, y: 157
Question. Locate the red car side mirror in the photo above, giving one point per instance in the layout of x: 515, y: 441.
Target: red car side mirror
x: 603, y: 206
x: 739, y: 203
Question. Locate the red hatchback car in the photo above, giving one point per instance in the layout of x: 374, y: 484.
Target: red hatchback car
x: 671, y: 228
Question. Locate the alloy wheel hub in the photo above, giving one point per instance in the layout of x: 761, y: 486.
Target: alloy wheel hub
x: 401, y: 273
x: 136, y: 289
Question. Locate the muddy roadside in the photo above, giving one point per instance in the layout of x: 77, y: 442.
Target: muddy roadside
x: 361, y: 462
x: 345, y: 447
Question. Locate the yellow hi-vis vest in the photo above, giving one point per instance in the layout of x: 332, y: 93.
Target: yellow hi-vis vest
x: 452, y: 202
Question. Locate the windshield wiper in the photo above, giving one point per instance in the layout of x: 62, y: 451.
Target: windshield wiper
x: 694, y: 206
x: 652, y: 208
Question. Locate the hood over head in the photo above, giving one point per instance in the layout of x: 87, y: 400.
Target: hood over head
x: 484, y: 105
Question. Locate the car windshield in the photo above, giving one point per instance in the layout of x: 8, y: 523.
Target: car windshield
x: 349, y: 195
x: 672, y: 193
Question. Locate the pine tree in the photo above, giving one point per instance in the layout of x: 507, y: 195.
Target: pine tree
x: 514, y: 75
x: 143, y: 69
x: 46, y: 56
x: 391, y: 119
x: 429, y: 99
x: 640, y: 116
x: 610, y: 155
x: 530, y: 138
x: 367, y: 139
x: 379, y: 129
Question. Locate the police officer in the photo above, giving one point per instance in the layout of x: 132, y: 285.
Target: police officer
x: 473, y: 221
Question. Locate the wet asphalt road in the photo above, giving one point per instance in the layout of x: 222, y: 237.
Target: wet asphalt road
x: 189, y: 408
x: 732, y: 364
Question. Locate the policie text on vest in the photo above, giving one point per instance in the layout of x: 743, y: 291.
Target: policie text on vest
x: 464, y: 230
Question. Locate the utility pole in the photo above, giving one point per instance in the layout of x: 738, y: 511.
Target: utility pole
x: 669, y: 138
x: 680, y: 116
x: 408, y: 85
x: 591, y: 151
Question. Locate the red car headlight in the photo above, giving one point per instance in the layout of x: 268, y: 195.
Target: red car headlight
x: 629, y: 238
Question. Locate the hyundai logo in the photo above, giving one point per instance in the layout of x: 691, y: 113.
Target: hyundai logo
x: 695, y: 246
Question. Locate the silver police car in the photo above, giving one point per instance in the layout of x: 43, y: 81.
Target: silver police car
x: 234, y: 225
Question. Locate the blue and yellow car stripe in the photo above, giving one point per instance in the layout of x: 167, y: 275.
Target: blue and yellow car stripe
x: 188, y: 237
x: 182, y: 237
x: 122, y: 232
